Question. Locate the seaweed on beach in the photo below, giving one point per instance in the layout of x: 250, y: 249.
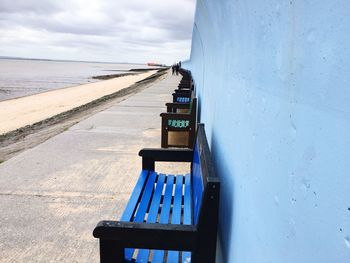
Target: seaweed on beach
x: 134, y: 71
x: 146, y: 69
x: 112, y: 76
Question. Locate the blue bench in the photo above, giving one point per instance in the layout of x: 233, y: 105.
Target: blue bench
x: 169, y: 218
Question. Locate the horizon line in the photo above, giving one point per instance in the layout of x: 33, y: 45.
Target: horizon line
x: 69, y: 60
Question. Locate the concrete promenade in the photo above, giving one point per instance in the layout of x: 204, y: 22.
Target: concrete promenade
x: 52, y: 196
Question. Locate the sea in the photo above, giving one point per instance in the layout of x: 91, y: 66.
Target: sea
x: 23, y: 77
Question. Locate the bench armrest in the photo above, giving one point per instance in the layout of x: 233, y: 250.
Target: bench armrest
x: 178, y: 105
x: 175, y: 115
x: 174, y: 105
x: 150, y: 156
x: 145, y: 235
x: 167, y: 155
x: 181, y: 94
x: 183, y: 91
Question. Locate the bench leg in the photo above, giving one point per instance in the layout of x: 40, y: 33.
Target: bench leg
x: 191, y: 137
x: 204, y: 257
x: 110, y: 252
x: 164, y: 136
x: 206, y: 248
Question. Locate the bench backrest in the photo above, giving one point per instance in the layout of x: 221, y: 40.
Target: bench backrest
x: 193, y: 107
x: 205, y: 192
x: 203, y: 175
x: 197, y: 183
x: 183, y: 97
x: 186, y: 75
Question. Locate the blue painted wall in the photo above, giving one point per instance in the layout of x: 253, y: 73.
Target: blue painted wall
x: 273, y: 80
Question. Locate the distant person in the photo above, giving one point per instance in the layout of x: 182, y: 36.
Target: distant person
x: 173, y: 68
x: 179, y: 64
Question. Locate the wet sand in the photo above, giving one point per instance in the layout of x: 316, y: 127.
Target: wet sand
x: 20, y: 112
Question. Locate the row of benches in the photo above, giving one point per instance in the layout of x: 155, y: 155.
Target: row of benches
x: 168, y: 218
x: 181, y: 115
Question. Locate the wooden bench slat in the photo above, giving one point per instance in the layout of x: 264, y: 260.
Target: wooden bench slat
x: 145, y: 199
x: 186, y: 257
x: 143, y: 206
x: 187, y: 220
x: 135, y: 197
x: 158, y: 255
x: 187, y: 217
x: 176, y: 215
x: 164, y: 214
x: 132, y: 204
x: 173, y: 256
x: 153, y: 213
x: 143, y: 254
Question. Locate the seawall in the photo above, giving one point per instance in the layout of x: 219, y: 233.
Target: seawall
x: 272, y: 78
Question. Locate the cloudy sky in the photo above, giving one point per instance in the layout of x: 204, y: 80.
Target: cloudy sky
x: 97, y: 30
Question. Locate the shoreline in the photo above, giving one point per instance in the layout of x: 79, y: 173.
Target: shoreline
x: 19, y: 112
x: 96, y: 79
x: 133, y: 71
x: 26, y: 137
x: 26, y: 77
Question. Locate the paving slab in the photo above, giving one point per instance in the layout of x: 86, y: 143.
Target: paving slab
x: 52, y: 196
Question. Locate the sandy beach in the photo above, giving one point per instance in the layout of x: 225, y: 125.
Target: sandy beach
x: 20, y: 112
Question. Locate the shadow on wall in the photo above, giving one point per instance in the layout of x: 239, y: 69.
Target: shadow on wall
x: 226, y: 202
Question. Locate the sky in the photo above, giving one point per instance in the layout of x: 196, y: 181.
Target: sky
x: 130, y: 31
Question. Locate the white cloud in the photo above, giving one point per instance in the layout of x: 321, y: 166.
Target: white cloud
x: 108, y: 30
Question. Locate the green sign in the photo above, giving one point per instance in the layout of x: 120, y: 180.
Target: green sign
x: 178, y: 123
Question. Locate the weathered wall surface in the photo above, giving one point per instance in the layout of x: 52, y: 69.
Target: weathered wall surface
x: 273, y: 83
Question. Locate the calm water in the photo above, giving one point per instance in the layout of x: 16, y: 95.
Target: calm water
x: 26, y: 77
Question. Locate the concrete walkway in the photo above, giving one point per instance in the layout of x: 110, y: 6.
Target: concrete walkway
x: 52, y: 196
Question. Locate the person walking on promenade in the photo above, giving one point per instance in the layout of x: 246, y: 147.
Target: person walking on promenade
x: 173, y: 68
x: 177, y: 69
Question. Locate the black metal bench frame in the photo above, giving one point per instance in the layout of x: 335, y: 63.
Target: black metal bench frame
x: 199, y: 238
x: 186, y: 81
